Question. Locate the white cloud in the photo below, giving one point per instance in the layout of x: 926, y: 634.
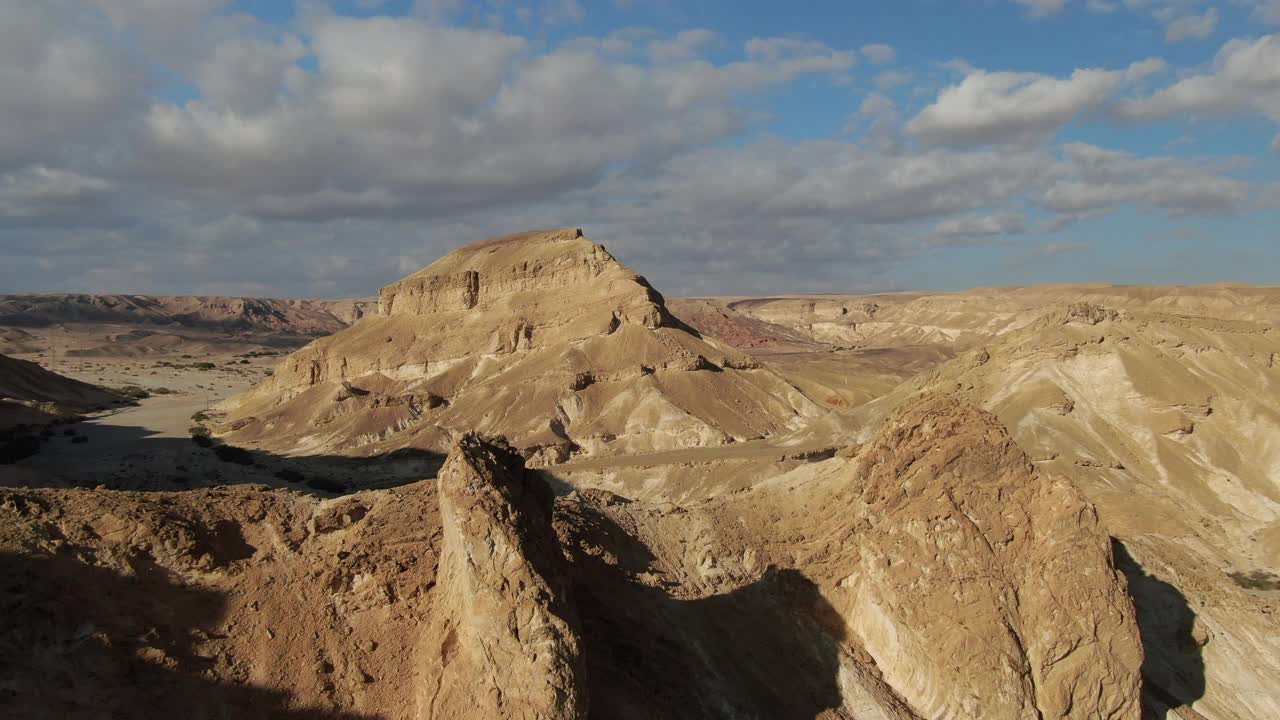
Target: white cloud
x: 1003, y: 107
x: 62, y: 85
x: 684, y: 46
x: 879, y: 53
x: 979, y: 226
x: 1244, y: 78
x: 1192, y: 27
x: 1093, y: 178
x: 372, y: 145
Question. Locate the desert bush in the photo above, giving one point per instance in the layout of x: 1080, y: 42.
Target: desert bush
x: 233, y: 454
x: 133, y: 392
x: 200, y: 435
x: 199, y: 417
x: 203, y: 366
x: 1256, y: 580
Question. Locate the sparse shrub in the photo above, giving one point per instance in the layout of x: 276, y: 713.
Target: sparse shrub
x: 203, y: 366
x: 200, y: 435
x: 162, y: 391
x: 233, y: 454
x: 1256, y: 580
x: 199, y: 417
x: 133, y: 392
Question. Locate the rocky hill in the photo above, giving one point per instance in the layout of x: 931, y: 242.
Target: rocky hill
x: 31, y: 394
x: 934, y: 573
x: 304, y: 317
x: 1168, y: 423
x: 541, y: 337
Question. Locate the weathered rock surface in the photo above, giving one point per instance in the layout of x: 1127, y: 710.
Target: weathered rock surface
x: 503, y: 641
x: 1166, y: 423
x: 543, y: 338
x: 932, y: 574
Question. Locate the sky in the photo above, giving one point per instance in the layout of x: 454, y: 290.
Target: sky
x: 324, y: 148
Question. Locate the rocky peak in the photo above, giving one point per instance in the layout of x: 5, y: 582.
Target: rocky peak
x: 507, y: 629
x: 506, y: 271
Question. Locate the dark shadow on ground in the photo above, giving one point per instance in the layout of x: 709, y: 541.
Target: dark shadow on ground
x: 82, y: 642
x: 119, y: 457
x: 1173, y: 672
x: 769, y: 649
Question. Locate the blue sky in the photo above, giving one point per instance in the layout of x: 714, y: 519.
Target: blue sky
x: 319, y: 148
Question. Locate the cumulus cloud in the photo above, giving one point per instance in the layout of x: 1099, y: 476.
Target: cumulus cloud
x: 336, y: 154
x: 62, y: 85
x: 968, y: 228
x: 1192, y: 27
x: 373, y: 133
x: 1094, y: 178
x: 1003, y: 107
x: 1244, y: 78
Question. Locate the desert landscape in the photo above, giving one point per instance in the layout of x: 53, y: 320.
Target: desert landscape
x: 522, y: 483
x: 639, y: 360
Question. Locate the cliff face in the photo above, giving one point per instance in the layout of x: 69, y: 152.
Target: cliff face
x: 541, y: 337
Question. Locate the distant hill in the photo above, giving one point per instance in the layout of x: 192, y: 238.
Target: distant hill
x: 302, y: 317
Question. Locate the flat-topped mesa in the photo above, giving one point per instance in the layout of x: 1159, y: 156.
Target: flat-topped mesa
x: 541, y: 337
x: 501, y: 272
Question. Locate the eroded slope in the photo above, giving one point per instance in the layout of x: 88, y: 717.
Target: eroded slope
x: 541, y: 337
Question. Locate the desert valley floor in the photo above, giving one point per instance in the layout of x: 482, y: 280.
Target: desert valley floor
x: 521, y: 483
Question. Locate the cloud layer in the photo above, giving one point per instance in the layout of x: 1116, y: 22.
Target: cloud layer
x: 336, y: 153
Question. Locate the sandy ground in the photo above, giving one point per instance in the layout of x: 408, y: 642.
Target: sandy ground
x: 148, y: 446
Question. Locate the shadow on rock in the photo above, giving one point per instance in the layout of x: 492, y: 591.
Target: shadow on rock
x: 1173, y: 672
x: 769, y: 649
x: 81, y: 641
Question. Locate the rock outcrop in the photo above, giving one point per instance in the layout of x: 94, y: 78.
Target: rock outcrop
x: 973, y: 571
x: 1165, y: 422
x: 503, y: 641
x: 543, y: 338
